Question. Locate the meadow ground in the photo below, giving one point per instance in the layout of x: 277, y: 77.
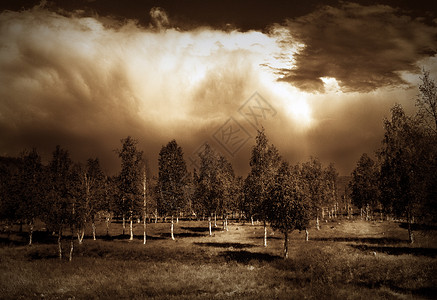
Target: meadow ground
x: 346, y: 259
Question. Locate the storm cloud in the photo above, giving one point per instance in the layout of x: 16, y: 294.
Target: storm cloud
x: 363, y: 47
x: 85, y: 82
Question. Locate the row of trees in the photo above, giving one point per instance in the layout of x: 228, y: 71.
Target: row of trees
x: 70, y: 196
x: 402, y: 181
x: 284, y: 196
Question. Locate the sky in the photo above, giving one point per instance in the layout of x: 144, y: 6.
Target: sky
x: 318, y: 76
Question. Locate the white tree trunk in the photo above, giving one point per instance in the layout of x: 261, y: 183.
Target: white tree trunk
x: 410, y: 230
x: 286, y: 245
x: 215, y: 219
x: 145, y: 230
x: 59, y: 243
x: 306, y: 235
x: 107, y: 225
x: 131, y: 229
x: 251, y: 219
x: 30, y: 233
x: 71, y: 246
x: 265, y: 234
x: 93, y: 225
x: 317, y: 223
x: 124, y: 224
x: 172, y: 228
x: 209, y: 224
x: 80, y: 235
x: 177, y: 219
x: 227, y: 223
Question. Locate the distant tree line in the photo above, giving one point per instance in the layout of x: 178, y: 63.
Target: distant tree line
x: 402, y: 181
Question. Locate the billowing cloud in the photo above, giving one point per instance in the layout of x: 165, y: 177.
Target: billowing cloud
x: 79, y: 82
x: 86, y: 82
x: 362, y: 47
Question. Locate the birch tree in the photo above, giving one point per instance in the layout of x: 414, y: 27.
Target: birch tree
x: 111, y: 199
x: 30, y: 191
x: 264, y: 162
x: 208, y: 184
x: 288, y: 208
x: 129, y: 180
x: 427, y: 102
x: 402, y: 180
x: 172, y: 179
x: 9, y: 189
x: 330, y: 176
x: 95, y: 190
x: 58, y: 208
x: 226, y: 178
x: 364, y: 183
x: 312, y: 175
x: 146, y: 196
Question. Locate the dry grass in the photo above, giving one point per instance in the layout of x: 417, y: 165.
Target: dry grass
x: 346, y: 259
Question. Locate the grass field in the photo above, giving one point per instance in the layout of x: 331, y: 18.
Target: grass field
x: 344, y: 260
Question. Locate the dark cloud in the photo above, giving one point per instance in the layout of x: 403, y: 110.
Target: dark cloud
x: 75, y: 81
x: 85, y: 82
x: 363, y: 47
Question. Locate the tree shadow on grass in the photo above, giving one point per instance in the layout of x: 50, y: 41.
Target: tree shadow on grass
x: 37, y: 255
x: 422, y: 227
x: 22, y: 239
x: 11, y: 242
x: 261, y: 237
x: 125, y: 237
x: 245, y: 257
x: 225, y: 245
x: 182, y: 235
x: 425, y: 292
x: 200, y: 229
x: 428, y: 292
x: 429, y: 252
x: 378, y: 241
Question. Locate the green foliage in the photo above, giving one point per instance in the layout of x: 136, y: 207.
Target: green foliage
x: 330, y: 176
x: 209, y: 183
x: 88, y: 191
x: 95, y: 181
x: 58, y: 207
x: 401, y: 154
x: 226, y: 179
x: 172, y: 179
x: 364, y: 183
x: 288, y: 209
x: 9, y: 188
x: 129, y: 179
x: 311, y: 173
x: 30, y: 179
x: 264, y: 162
x: 427, y: 102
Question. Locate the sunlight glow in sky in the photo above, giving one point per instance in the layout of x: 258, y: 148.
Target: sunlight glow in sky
x: 85, y: 81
